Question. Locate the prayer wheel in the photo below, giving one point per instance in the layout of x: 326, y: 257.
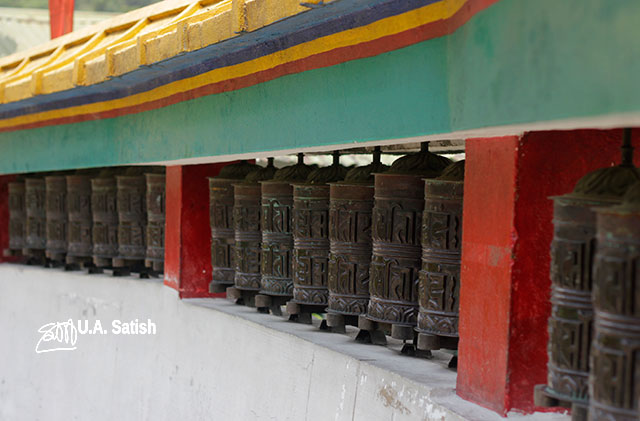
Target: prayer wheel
x: 311, y: 234
x: 104, y: 212
x: 613, y: 380
x: 572, y: 252
x: 277, y: 236
x: 439, y: 288
x: 36, y: 235
x: 350, y: 215
x: 132, y: 218
x: 397, y: 218
x: 56, y: 217
x: 154, y: 258
x: 221, y: 219
x: 17, y: 216
x: 248, y: 233
x: 79, y: 228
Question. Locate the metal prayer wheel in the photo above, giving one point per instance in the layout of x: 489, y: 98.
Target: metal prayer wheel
x: 56, y: 217
x: 79, y: 227
x: 221, y: 219
x: 350, y: 243
x: 613, y: 380
x: 439, y: 287
x: 247, y: 228
x: 277, y: 227
x: 350, y: 219
x: 572, y: 257
x: 132, y: 218
x: 17, y: 216
x: 311, y: 234
x: 104, y: 212
x: 154, y: 258
x: 36, y: 235
x: 397, y: 218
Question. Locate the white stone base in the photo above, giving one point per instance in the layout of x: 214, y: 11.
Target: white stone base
x: 210, y: 360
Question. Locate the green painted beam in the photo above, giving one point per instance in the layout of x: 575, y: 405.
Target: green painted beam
x: 516, y: 62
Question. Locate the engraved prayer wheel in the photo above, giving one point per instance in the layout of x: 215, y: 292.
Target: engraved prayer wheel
x: 132, y: 218
x: 311, y: 234
x: 613, y: 380
x: 350, y: 216
x: 397, y: 218
x: 221, y: 219
x: 80, y: 223
x: 572, y: 252
x: 56, y: 217
x: 17, y: 216
x: 439, y: 288
x: 154, y: 258
x: 247, y: 227
x: 36, y: 234
x: 104, y: 212
x: 277, y: 227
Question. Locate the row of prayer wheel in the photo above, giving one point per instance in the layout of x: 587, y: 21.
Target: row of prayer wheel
x: 594, y: 328
x: 375, y: 242
x: 91, y: 218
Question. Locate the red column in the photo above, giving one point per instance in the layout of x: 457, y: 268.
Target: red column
x: 4, y: 217
x: 60, y: 17
x: 505, y: 284
x: 187, y: 233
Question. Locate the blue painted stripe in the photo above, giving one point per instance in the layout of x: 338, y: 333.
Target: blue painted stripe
x: 316, y: 23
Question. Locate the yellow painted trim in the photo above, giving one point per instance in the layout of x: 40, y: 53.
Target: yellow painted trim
x: 384, y: 27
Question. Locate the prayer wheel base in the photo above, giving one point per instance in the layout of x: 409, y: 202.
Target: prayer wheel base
x: 338, y: 322
x: 303, y: 313
x: 430, y: 342
x: 216, y: 287
x: 12, y: 252
x: 35, y: 256
x: 545, y: 397
x: 155, y: 265
x: 241, y: 296
x: 270, y: 303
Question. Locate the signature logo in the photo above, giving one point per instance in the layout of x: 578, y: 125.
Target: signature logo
x: 57, y: 336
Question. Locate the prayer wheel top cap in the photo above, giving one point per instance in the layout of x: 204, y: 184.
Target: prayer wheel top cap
x: 262, y: 174
x: 297, y: 172
x: 330, y: 174
x: 630, y: 202
x: 366, y: 173
x: 605, y: 184
x: 423, y: 163
x: 454, y: 172
x: 237, y: 170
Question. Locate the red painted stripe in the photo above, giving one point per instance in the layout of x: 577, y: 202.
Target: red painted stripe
x: 317, y: 61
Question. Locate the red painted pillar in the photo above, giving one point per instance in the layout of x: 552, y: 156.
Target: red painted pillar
x: 4, y: 217
x: 507, y: 217
x: 187, y: 233
x: 60, y: 17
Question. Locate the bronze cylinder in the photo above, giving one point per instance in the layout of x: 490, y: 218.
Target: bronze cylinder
x: 36, y: 235
x: 155, y: 220
x: 132, y: 217
x: 17, y: 215
x: 441, y: 253
x: 310, y: 243
x: 248, y: 236
x: 56, y: 216
x: 104, y: 211
x: 79, y: 237
x: 397, y: 215
x: 277, y: 238
x: 350, y: 215
x: 613, y: 381
x: 222, y: 233
x: 571, y: 321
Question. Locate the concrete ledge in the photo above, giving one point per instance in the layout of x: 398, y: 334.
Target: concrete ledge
x: 210, y: 359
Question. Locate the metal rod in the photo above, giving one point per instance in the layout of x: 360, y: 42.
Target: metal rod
x: 269, y: 162
x: 424, y: 146
x: 627, y: 149
x: 377, y: 152
x: 336, y: 157
x: 300, y: 158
